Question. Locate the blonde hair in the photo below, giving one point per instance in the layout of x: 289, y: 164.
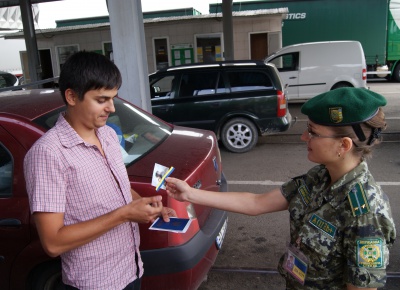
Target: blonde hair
x: 372, y: 131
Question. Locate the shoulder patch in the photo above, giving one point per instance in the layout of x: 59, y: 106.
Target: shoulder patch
x: 369, y: 253
x: 326, y: 227
x: 358, y: 200
x: 305, y: 194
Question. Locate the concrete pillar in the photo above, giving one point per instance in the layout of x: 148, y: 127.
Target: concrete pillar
x: 227, y: 26
x: 35, y: 69
x: 129, y: 50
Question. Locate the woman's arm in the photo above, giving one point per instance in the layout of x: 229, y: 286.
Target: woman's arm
x: 240, y: 202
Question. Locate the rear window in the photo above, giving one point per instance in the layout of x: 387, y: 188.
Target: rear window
x: 137, y: 131
x: 201, y: 83
x: 249, y: 81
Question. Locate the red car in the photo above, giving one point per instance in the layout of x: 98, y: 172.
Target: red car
x: 171, y: 260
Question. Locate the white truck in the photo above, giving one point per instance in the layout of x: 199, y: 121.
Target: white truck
x: 309, y: 69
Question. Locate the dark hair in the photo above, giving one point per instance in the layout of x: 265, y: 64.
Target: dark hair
x: 372, y: 131
x: 85, y: 71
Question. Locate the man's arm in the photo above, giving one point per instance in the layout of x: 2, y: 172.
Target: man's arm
x: 57, y: 238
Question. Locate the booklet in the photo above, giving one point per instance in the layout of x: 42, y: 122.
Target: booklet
x: 175, y: 225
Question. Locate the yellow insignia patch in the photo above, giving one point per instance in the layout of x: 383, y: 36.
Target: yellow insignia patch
x: 336, y: 114
x: 370, y: 253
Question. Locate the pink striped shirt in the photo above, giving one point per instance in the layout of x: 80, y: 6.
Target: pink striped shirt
x: 65, y: 174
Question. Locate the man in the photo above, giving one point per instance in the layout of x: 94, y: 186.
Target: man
x: 78, y: 187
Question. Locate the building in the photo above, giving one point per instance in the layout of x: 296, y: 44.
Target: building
x: 171, y: 38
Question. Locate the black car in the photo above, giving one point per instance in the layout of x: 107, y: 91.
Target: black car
x: 238, y: 100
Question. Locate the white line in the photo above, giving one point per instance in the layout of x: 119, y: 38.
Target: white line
x: 270, y: 182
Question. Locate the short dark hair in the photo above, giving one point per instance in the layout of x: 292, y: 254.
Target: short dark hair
x: 85, y: 71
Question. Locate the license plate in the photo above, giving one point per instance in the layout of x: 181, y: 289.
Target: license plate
x: 220, y: 238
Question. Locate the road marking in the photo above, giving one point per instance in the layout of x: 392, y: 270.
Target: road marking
x: 270, y: 182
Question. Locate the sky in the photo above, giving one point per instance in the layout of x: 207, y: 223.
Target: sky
x: 67, y: 9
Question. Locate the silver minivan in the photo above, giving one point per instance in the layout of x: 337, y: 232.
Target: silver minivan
x: 309, y: 69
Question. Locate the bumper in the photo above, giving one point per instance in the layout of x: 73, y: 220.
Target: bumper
x: 269, y: 126
x: 187, y: 256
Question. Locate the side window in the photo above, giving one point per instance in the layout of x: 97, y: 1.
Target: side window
x: 6, y: 172
x: 248, y: 81
x: 163, y: 87
x: 287, y: 62
x: 198, y: 84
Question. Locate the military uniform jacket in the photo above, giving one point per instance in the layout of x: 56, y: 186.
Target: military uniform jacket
x: 345, y: 230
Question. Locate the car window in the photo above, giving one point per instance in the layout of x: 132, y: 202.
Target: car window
x: 137, y: 131
x: 248, y: 80
x: 287, y: 62
x: 163, y: 87
x: 200, y: 83
x: 7, y: 80
x: 6, y: 172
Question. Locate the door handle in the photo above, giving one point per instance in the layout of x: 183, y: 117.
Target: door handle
x: 292, y: 78
x: 164, y: 109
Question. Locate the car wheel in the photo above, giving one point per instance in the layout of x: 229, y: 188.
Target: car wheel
x: 46, y: 277
x: 341, y: 85
x: 239, y: 135
x: 396, y: 73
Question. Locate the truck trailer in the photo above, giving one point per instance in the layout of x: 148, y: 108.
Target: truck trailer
x: 374, y: 23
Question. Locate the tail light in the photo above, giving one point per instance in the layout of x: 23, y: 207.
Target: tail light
x: 364, y: 74
x: 281, y: 104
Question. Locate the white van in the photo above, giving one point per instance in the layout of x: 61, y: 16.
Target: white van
x: 309, y: 69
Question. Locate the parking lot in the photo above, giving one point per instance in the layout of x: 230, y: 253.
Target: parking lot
x: 253, y: 245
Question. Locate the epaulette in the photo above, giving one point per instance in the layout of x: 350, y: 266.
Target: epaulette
x: 358, y: 200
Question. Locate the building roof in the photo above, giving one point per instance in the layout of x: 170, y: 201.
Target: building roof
x: 52, y: 31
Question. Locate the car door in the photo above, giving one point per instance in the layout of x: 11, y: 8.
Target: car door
x: 14, y: 205
x: 288, y: 67
x: 200, y: 99
x: 163, y: 91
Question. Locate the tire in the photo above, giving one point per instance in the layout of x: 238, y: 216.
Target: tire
x: 341, y: 85
x: 396, y: 74
x: 46, y: 277
x: 239, y: 135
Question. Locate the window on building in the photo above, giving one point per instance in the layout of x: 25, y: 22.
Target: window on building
x: 161, y: 53
x: 208, y: 48
x: 108, y: 50
x: 64, y: 52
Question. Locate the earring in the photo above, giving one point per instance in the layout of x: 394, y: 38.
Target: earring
x: 339, y: 154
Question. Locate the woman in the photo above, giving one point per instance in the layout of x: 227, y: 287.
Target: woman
x: 341, y: 226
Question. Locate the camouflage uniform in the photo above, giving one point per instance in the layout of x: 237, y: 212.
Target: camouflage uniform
x: 345, y: 230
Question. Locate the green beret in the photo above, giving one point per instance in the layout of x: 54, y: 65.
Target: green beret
x: 343, y: 106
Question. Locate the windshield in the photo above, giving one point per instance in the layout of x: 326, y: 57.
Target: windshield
x: 138, y: 132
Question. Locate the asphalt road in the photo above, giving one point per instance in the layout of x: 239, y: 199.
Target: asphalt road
x: 253, y: 245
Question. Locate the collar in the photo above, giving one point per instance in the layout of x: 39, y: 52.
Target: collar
x: 68, y: 136
x: 341, y: 188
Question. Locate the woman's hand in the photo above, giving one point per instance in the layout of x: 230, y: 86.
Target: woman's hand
x: 178, y: 189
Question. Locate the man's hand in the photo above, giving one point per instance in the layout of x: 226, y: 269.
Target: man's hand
x: 167, y: 213
x: 145, y: 209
